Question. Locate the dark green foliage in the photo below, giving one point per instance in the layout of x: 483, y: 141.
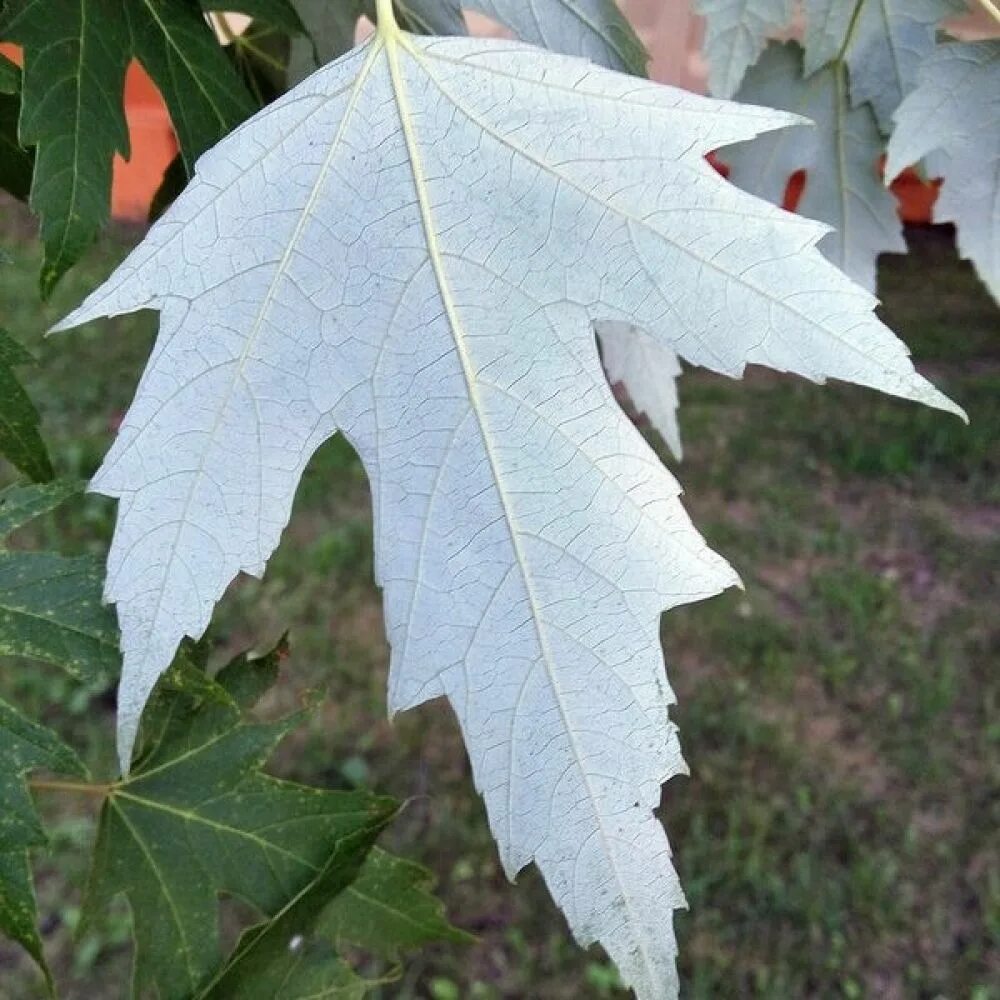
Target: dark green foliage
x: 388, y: 909
x: 204, y: 96
x: 71, y: 114
x: 76, y: 53
x: 247, y: 677
x: 197, y: 817
x: 51, y: 610
x: 289, y: 956
x: 24, y: 746
x: 21, y: 504
x: 20, y: 441
x: 50, y: 605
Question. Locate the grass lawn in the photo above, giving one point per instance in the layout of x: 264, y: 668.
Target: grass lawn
x: 837, y: 836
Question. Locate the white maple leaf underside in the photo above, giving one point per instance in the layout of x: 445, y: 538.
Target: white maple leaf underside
x: 952, y: 119
x: 886, y: 40
x: 839, y: 152
x: 735, y: 34
x: 649, y: 369
x: 412, y: 247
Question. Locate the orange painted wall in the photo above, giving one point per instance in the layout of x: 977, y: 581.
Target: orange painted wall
x: 153, y: 147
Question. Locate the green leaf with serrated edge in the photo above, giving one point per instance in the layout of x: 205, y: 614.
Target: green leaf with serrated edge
x: 51, y: 610
x: 246, y: 677
x: 389, y: 908
x: 290, y: 969
x: 287, y: 957
x: 197, y: 817
x: 20, y: 504
x: 386, y: 909
x: 202, y: 91
x: 24, y: 746
x: 75, y: 56
x: 20, y: 441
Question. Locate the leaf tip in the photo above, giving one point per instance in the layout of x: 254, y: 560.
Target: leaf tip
x: 934, y: 397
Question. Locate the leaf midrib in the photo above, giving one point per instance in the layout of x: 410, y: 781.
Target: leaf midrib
x: 392, y: 45
x: 191, y: 816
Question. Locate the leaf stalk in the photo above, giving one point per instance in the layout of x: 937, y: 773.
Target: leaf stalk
x: 386, y: 18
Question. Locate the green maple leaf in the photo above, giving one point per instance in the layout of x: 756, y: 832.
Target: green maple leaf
x: 24, y: 746
x: 197, y: 817
x: 75, y: 57
x: 76, y: 53
x: 20, y: 504
x: 385, y: 907
x: 50, y: 605
x: 20, y: 441
x: 283, y: 957
x: 388, y: 909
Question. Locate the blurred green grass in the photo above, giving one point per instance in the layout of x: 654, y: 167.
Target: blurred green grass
x: 837, y: 836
